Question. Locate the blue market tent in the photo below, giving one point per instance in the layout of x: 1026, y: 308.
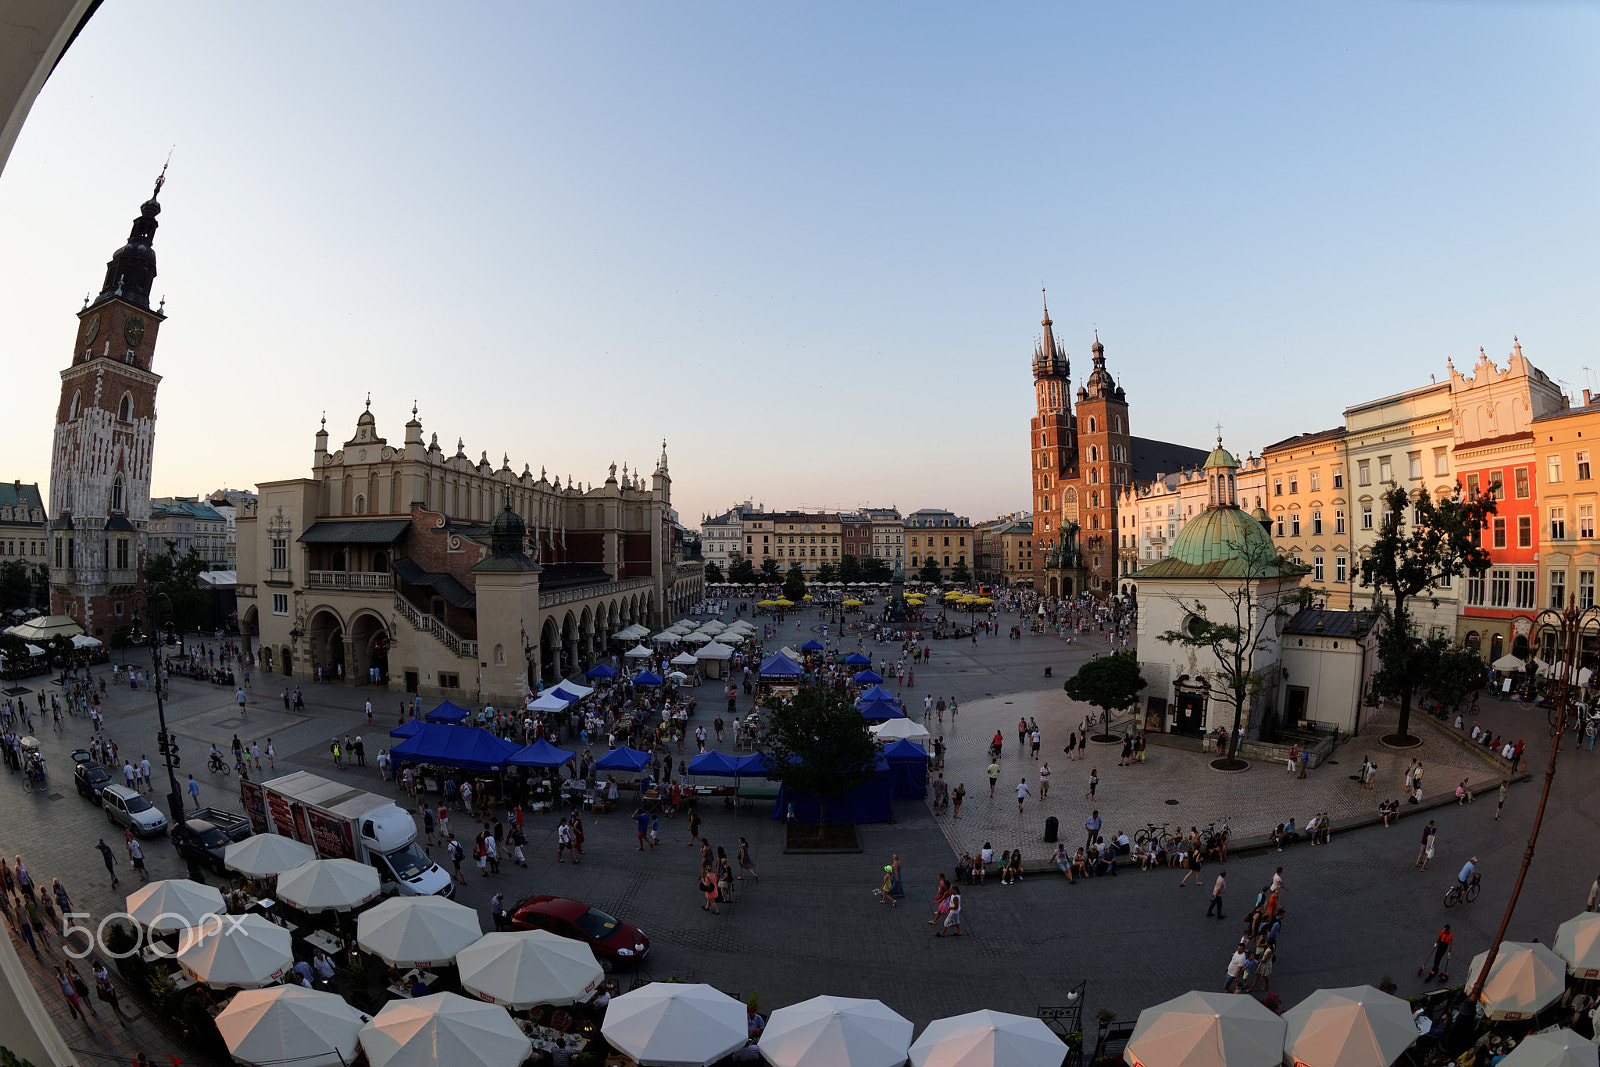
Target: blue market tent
x: 880, y: 710
x: 713, y: 763
x: 601, y: 672
x: 467, y: 747
x: 869, y: 802
x: 877, y: 692
x: 778, y: 665
x: 540, y: 754
x: 647, y: 679
x: 407, y: 728
x: 856, y: 659
x: 868, y: 678
x: 751, y: 766
x: 908, y: 766
x: 813, y: 645
x: 623, y: 759
x: 448, y: 713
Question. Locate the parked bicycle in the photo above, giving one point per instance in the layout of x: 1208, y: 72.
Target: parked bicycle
x: 1154, y: 835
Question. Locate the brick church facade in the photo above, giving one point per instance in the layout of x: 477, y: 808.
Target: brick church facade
x: 100, y: 462
x: 1083, y: 456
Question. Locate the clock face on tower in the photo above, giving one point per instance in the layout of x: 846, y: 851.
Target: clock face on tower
x: 133, y: 331
x: 92, y: 330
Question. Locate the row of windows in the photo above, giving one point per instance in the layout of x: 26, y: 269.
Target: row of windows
x: 1558, y: 522
x: 960, y: 558
x: 22, y: 548
x: 1517, y: 588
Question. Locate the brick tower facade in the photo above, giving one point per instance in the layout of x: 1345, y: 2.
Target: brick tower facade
x: 1106, y: 466
x: 105, y: 440
x: 1054, y: 447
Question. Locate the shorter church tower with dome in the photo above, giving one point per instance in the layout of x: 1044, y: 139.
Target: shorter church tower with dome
x: 1310, y: 665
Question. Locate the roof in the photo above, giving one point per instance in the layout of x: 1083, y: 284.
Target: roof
x: 568, y: 575
x: 1333, y: 623
x: 355, y: 532
x: 1154, y: 458
x: 13, y: 494
x: 446, y: 585
x: 188, y: 509
x: 1305, y: 439
x: 1221, y: 542
x: 119, y: 524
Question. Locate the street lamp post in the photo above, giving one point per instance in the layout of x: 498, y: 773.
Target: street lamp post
x: 1569, y: 626
x: 146, y: 602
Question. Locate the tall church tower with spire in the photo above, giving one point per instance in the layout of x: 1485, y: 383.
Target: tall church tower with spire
x: 1054, y: 446
x: 1106, y: 467
x: 105, y: 440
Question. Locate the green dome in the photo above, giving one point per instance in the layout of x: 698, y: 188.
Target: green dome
x: 1217, y: 543
x: 1260, y: 515
x: 1221, y: 457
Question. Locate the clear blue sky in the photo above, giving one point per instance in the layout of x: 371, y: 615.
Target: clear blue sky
x: 802, y: 242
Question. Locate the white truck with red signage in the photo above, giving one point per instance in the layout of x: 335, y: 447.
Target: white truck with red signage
x: 338, y: 820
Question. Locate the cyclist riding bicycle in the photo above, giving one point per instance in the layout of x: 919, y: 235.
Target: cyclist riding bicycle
x: 1468, y: 872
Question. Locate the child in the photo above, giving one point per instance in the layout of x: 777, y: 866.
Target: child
x: 655, y: 830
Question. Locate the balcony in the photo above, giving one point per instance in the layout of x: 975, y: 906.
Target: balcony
x: 358, y: 581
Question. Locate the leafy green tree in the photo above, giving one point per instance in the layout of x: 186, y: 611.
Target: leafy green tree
x: 849, y: 568
x: 1409, y: 560
x: 1110, y: 683
x: 741, y: 570
x: 794, y: 583
x: 959, y: 573
x: 874, y: 569
x: 819, y: 744
x: 929, y: 571
x: 41, y: 586
x: 121, y: 638
x: 1247, y: 625
x: 16, y: 585
x: 827, y: 572
x: 1452, y: 671
x: 713, y: 572
x: 13, y: 649
x: 178, y: 579
x: 769, y: 570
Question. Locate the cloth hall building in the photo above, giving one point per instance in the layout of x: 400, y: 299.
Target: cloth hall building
x: 414, y: 570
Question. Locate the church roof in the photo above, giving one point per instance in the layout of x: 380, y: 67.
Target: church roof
x: 1151, y: 459
x: 1220, y: 542
x: 354, y: 531
x: 1320, y: 622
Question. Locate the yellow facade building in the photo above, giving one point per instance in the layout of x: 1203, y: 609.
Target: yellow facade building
x: 1307, y: 507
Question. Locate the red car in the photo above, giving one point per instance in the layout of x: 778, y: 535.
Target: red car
x: 613, y: 940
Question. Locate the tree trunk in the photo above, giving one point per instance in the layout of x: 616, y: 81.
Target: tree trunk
x: 1403, y: 728
x: 822, y: 819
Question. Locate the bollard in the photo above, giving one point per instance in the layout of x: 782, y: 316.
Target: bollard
x: 1051, y: 826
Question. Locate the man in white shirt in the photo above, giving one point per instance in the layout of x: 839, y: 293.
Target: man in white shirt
x: 144, y: 771
x: 1235, y: 967
x: 1022, y: 793
x: 131, y: 775
x: 324, y: 967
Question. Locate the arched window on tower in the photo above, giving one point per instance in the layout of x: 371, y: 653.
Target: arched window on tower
x: 1091, y: 424
x: 116, y: 493
x: 77, y: 402
x: 125, y: 408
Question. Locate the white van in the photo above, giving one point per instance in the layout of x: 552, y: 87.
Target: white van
x: 129, y: 807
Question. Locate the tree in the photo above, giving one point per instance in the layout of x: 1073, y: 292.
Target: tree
x: 1452, y: 671
x: 874, y: 569
x: 741, y: 571
x: 849, y: 568
x: 1247, y: 626
x: 959, y: 573
x: 827, y: 572
x: 1408, y: 561
x: 16, y: 585
x: 794, y: 583
x: 929, y: 571
x: 1110, y: 683
x: 121, y: 638
x: 818, y: 744
x: 13, y: 650
x: 769, y: 569
x: 178, y: 579
x: 713, y: 572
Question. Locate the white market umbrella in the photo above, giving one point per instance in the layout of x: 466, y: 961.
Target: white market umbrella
x: 638, y: 652
x: 236, y: 950
x: 627, y: 633
x: 1557, y: 1048
x: 673, y: 1024
x: 836, y: 1032
x: 667, y: 637
x: 678, y: 676
x: 265, y: 855
x: 84, y: 641
x: 329, y: 885
x: 1356, y: 1026
x: 1207, y: 1030
x: 712, y: 626
x: 1507, y: 662
x: 528, y: 967
x: 894, y: 729
x: 988, y: 1039
x: 731, y: 637
x: 1578, y: 942
x: 173, y: 904
x: 715, y: 650
x: 1526, y: 978
x: 417, y: 931
x: 290, y: 1024
x: 684, y: 659
x: 444, y: 1028
x: 698, y: 639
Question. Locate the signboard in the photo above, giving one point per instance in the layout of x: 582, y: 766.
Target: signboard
x: 254, y: 801
x: 278, y: 811
x: 330, y: 836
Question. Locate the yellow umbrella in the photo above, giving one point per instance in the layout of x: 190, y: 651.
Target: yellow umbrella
x: 852, y: 603
x: 806, y: 597
x: 766, y: 603
x: 783, y: 602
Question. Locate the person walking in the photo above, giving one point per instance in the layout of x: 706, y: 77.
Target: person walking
x: 1500, y: 803
x: 563, y: 841
x: 110, y: 859
x: 641, y: 826
x: 1427, y: 851
x: 136, y: 857
x: 70, y: 993
x: 105, y: 990
x: 746, y: 862
x: 952, y: 913
x: 1094, y: 783
x: 1217, y: 889
x: 956, y: 798
x: 1236, y: 967
x: 994, y: 775
x: 194, y: 791
x: 708, y: 888
x: 1422, y: 849
x: 694, y: 828
x: 1022, y: 793
x: 1044, y: 780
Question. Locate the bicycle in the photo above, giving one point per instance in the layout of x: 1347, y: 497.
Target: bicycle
x: 1210, y: 835
x: 1151, y: 834
x: 219, y: 764
x: 1458, y: 892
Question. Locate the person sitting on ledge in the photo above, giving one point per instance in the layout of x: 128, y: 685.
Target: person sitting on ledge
x: 1063, y: 862
x: 964, y: 869
x: 1014, y: 868
x: 1080, y: 866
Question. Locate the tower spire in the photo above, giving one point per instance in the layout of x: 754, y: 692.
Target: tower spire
x: 131, y: 270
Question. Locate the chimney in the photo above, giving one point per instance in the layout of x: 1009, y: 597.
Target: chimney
x: 1586, y: 398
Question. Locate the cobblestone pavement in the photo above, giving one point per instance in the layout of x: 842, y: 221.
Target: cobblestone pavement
x: 1357, y: 908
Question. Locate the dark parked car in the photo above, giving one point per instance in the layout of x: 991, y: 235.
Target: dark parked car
x: 613, y: 940
x: 90, y: 778
x: 206, y: 841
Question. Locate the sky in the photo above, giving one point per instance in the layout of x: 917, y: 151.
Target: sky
x: 802, y: 243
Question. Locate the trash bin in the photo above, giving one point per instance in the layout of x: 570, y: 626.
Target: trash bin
x: 1051, y: 826
x: 1047, y: 672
